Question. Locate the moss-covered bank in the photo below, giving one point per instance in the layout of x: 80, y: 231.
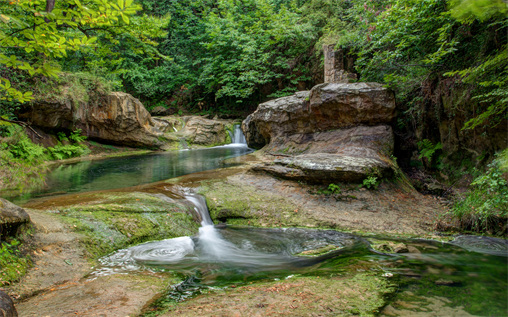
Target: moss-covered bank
x: 115, y: 220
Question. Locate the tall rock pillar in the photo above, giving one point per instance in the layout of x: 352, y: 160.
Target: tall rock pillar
x: 338, y: 65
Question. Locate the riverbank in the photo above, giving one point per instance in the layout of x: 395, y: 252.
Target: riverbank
x: 65, y: 247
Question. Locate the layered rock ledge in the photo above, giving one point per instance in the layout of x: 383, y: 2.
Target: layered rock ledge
x: 121, y: 119
x: 115, y: 118
x: 334, y: 132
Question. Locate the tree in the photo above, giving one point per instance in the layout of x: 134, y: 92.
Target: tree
x: 34, y: 34
x: 251, y: 44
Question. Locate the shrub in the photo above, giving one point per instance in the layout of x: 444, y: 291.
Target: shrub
x: 12, y: 264
x: 63, y: 151
x: 485, y: 207
x: 371, y: 182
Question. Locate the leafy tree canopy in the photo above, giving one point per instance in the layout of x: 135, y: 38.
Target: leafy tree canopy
x: 39, y: 38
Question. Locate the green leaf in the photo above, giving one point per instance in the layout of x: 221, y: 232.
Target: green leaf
x: 125, y: 18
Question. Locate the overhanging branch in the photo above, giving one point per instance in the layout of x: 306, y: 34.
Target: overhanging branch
x: 23, y: 124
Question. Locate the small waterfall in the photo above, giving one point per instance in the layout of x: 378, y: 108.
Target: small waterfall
x: 212, y: 247
x: 199, y: 203
x: 238, y: 137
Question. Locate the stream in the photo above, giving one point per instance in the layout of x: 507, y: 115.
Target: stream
x: 121, y: 172
x: 468, y: 272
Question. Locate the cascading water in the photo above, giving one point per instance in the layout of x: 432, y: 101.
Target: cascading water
x: 261, y: 250
x: 237, y: 137
x: 224, y: 256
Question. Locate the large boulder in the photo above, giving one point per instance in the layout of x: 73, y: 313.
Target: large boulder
x: 115, y: 118
x: 335, y: 132
x: 202, y: 131
x: 326, y: 107
x: 7, y: 308
x: 12, y: 217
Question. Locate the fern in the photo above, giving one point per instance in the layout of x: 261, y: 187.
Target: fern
x: 428, y: 149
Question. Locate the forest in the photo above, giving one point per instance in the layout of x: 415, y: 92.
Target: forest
x: 193, y: 158
x: 446, y: 60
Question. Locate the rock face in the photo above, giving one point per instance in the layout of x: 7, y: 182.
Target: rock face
x: 161, y: 111
x: 116, y: 118
x: 338, y: 64
x: 335, y: 132
x: 7, y: 308
x: 11, y: 218
x: 201, y: 131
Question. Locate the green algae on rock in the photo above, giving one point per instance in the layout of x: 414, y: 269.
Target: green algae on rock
x: 247, y: 205
x: 359, y: 294
x: 116, y: 220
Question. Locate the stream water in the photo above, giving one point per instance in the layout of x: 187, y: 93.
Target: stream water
x: 470, y: 272
x: 130, y: 171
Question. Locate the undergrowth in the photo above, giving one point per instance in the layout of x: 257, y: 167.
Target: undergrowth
x: 12, y: 264
x: 21, y: 160
x: 484, y: 208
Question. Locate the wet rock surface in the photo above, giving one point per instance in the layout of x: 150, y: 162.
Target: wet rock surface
x: 482, y: 244
x: 335, y: 132
x: 241, y: 197
x: 12, y: 217
x: 7, y: 308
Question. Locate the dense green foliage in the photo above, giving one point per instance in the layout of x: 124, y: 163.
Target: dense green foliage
x: 12, y: 264
x: 485, y: 207
x: 224, y: 53
x: 22, y: 161
x: 209, y: 55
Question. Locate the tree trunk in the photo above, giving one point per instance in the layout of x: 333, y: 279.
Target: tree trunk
x: 50, y: 4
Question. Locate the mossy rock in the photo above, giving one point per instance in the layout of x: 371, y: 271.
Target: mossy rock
x: 247, y: 205
x: 118, y: 220
x: 319, y: 251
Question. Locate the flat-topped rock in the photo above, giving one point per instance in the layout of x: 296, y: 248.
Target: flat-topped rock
x: 334, y: 132
x: 326, y: 168
x: 326, y: 107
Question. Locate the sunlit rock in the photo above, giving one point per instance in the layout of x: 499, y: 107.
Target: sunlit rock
x: 335, y: 132
x: 116, y: 118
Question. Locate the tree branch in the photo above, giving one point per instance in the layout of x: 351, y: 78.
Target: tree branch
x: 23, y: 124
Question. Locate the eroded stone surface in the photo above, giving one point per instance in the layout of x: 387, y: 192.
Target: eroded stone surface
x: 116, y: 117
x: 202, y: 131
x: 11, y: 218
x: 322, y: 168
x: 335, y: 132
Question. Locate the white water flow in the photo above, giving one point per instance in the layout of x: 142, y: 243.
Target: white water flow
x: 245, y: 250
x: 238, y: 137
x: 212, y: 247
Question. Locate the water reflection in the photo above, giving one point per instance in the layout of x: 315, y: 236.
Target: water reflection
x: 216, y: 257
x: 131, y: 171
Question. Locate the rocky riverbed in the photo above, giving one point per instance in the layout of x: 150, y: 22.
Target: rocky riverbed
x: 72, y: 231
